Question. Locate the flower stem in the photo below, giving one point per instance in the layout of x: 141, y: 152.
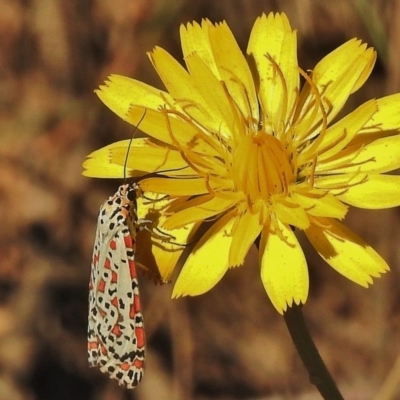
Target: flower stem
x: 319, y: 374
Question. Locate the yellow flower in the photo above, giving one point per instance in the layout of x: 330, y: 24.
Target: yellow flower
x: 241, y: 143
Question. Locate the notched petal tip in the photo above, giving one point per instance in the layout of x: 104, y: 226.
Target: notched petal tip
x: 284, y: 270
x: 346, y: 252
x: 289, y: 304
x: 99, y: 166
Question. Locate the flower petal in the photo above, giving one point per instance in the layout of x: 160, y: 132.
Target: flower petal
x: 215, y: 98
x: 273, y: 44
x: 342, y: 72
x: 380, y: 155
x: 319, y: 203
x: 153, y: 158
x: 99, y: 165
x: 340, y: 134
x: 387, y: 118
x: 156, y: 248
x: 175, y: 187
x: 289, y: 212
x: 218, y: 49
x: 119, y: 93
x: 208, y: 261
x: 346, y: 252
x: 195, y: 38
x: 234, y: 70
x: 334, y: 78
x: 377, y: 192
x: 198, y: 208
x: 136, y: 102
x: 189, y: 91
x: 284, y: 270
x: 144, y: 157
x: 245, y: 231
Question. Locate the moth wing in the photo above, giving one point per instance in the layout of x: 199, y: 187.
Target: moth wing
x: 116, y: 335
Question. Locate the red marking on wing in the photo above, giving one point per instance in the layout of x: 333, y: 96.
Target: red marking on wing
x: 135, y: 306
x: 114, y: 277
x: 128, y: 241
x: 138, y: 363
x: 114, y: 302
x: 95, y: 258
x: 101, y: 286
x: 116, y: 331
x: 103, y: 350
x: 139, y: 333
x: 92, y: 344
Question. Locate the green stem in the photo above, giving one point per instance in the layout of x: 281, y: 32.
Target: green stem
x: 305, y: 346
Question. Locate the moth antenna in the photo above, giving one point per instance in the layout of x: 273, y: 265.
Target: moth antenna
x: 131, y: 140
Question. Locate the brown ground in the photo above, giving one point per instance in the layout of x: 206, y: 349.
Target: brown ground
x: 227, y: 344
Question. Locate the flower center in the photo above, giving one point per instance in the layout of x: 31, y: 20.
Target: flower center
x: 261, y: 166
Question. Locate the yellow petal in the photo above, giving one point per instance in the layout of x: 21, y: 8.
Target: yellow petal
x: 290, y: 213
x: 158, y: 256
x: 215, y: 98
x: 342, y: 72
x: 199, y: 208
x: 136, y: 102
x: 340, y: 134
x: 144, y: 157
x: 284, y: 270
x: 387, y: 117
x: 273, y: 43
x: 334, y: 78
x: 234, y: 70
x: 184, y: 90
x: 245, y: 231
x: 218, y: 49
x: 346, y: 252
x: 157, y: 248
x: 150, y: 157
x: 319, y: 203
x: 377, y: 192
x: 175, y: 187
x: 208, y: 261
x: 99, y: 165
x: 120, y: 93
x: 381, y: 155
x: 195, y: 38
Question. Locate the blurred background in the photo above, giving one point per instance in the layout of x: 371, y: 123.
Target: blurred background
x: 229, y: 343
